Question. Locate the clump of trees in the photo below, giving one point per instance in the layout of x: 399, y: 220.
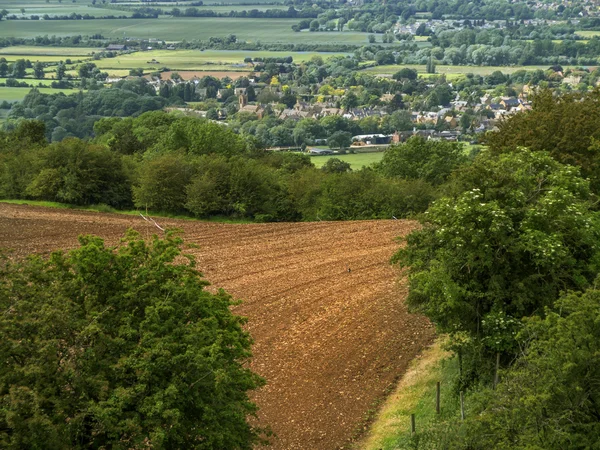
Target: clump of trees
x: 567, y: 126
x: 121, y: 347
x: 507, y: 264
x: 184, y: 165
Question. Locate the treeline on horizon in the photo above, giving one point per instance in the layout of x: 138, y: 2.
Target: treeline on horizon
x: 176, y: 164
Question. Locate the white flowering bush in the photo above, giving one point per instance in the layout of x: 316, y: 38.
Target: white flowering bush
x: 516, y: 230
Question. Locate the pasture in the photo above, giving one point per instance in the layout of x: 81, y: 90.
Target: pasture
x: 452, y: 71
x: 33, y: 81
x: 199, y: 60
x: 220, y: 8
x: 12, y: 94
x: 56, y: 9
x: 177, y: 29
x: 588, y: 33
x: 356, y: 160
x: 329, y: 342
x: 31, y: 52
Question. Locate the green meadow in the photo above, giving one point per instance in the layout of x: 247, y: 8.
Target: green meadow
x: 356, y: 160
x: 34, y: 51
x: 60, y: 10
x: 31, y: 81
x: 12, y: 94
x: 198, y: 59
x: 588, y: 33
x: 185, y: 28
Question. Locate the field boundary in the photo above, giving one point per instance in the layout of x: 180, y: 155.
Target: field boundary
x: 393, y: 419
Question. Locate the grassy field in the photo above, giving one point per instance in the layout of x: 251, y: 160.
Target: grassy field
x: 588, y: 34
x: 12, y: 94
x: 198, y: 60
x: 61, y: 10
x: 356, y: 160
x: 32, y: 81
x: 219, y: 8
x: 23, y: 51
x: 415, y: 394
x: 176, y: 29
x: 45, y: 59
x: 454, y: 70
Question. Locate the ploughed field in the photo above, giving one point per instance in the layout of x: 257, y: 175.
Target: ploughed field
x: 328, y: 341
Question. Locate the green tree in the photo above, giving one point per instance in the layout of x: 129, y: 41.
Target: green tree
x: 397, y: 121
x: 568, y: 127
x: 515, y: 232
x: 405, y: 74
x: 38, y: 70
x: 162, y: 182
x: 417, y: 158
x: 86, y: 70
x: 549, y: 399
x: 121, y: 347
x: 77, y: 172
x: 339, y: 139
x: 60, y: 71
x: 430, y: 66
x: 336, y: 165
x: 350, y: 101
x: 19, y: 68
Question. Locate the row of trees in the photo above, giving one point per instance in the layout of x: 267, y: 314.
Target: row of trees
x: 507, y: 263
x: 184, y: 165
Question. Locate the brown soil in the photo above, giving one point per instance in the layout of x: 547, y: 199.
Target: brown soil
x: 328, y: 341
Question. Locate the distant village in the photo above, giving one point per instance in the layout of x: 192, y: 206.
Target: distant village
x: 425, y: 122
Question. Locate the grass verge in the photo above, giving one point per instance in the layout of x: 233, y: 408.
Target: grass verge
x: 132, y: 212
x: 416, y: 394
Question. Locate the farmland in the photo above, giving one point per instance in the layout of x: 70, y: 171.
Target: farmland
x: 177, y: 29
x: 59, y: 10
x: 356, y: 160
x: 329, y: 342
x: 13, y: 94
x: 199, y: 60
x: 22, y: 51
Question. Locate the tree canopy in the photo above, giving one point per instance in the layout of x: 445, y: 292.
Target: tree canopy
x: 516, y: 232
x: 417, y: 158
x: 121, y: 347
x: 567, y: 126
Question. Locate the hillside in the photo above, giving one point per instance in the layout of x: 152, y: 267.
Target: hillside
x: 328, y: 341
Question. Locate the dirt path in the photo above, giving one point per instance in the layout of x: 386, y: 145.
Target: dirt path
x: 328, y: 341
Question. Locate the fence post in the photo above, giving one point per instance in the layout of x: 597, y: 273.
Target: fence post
x: 437, y: 398
x: 413, y: 425
x: 462, y: 406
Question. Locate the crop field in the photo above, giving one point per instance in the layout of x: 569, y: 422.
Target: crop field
x: 207, y: 4
x: 177, y: 29
x: 12, y: 94
x: 356, y: 160
x: 219, y: 8
x: 453, y: 70
x: 30, y: 52
x: 60, y: 10
x: 199, y: 60
x: 328, y: 341
x: 588, y: 33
